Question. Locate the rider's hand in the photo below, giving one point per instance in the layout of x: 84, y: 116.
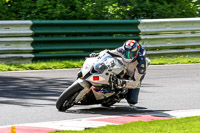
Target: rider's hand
x: 121, y: 83
x: 94, y: 54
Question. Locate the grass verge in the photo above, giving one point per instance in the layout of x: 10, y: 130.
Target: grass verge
x: 78, y: 64
x: 42, y: 65
x: 182, y: 125
x: 177, y: 60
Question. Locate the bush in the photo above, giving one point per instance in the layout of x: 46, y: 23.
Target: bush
x: 96, y: 9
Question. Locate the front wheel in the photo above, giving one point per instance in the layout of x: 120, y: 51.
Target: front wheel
x: 67, y: 98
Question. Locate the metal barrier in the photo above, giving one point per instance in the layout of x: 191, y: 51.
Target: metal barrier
x: 27, y: 41
x: 171, y: 36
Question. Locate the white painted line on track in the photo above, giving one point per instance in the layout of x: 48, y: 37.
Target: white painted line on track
x: 184, y: 113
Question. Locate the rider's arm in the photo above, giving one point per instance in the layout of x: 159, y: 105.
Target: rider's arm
x: 116, y: 52
x: 98, y: 54
x: 141, y: 67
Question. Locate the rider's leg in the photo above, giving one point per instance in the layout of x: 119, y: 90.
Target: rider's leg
x: 132, y: 96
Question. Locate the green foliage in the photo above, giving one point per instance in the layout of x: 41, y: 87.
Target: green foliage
x: 96, y: 9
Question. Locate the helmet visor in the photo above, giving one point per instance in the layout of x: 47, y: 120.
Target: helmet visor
x: 130, y: 54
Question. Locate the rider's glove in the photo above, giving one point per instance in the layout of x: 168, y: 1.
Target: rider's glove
x: 121, y: 83
x: 94, y: 54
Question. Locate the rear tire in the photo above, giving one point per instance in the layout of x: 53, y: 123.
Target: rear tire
x: 109, y: 103
x: 67, y: 98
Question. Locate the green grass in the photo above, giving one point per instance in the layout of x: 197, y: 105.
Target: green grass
x: 183, y: 125
x: 177, y: 60
x: 41, y: 65
x: 78, y: 64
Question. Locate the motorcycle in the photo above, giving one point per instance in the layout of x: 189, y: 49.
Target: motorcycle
x: 96, y: 83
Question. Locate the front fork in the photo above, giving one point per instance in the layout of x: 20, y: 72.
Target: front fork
x: 86, y: 88
x: 113, y: 82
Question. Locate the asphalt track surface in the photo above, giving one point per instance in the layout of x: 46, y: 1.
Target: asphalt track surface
x: 30, y: 96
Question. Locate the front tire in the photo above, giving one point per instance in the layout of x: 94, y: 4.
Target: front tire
x: 67, y: 98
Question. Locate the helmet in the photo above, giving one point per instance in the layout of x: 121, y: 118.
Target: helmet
x: 131, y: 50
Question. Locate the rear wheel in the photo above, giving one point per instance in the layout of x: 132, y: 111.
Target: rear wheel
x: 67, y: 99
x: 109, y: 102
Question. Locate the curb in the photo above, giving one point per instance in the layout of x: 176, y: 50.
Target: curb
x: 87, y: 123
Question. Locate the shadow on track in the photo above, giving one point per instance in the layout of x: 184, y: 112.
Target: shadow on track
x: 24, y: 90
x: 119, y: 110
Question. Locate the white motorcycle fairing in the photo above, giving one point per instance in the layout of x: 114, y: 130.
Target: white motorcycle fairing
x: 96, y: 85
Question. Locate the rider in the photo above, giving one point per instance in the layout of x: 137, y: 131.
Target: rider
x: 133, y: 56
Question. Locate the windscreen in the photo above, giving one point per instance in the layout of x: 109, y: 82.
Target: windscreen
x: 100, y: 66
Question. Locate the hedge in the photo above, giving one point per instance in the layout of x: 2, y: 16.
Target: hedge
x: 96, y: 9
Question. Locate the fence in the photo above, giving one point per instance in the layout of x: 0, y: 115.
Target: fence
x: 27, y: 41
